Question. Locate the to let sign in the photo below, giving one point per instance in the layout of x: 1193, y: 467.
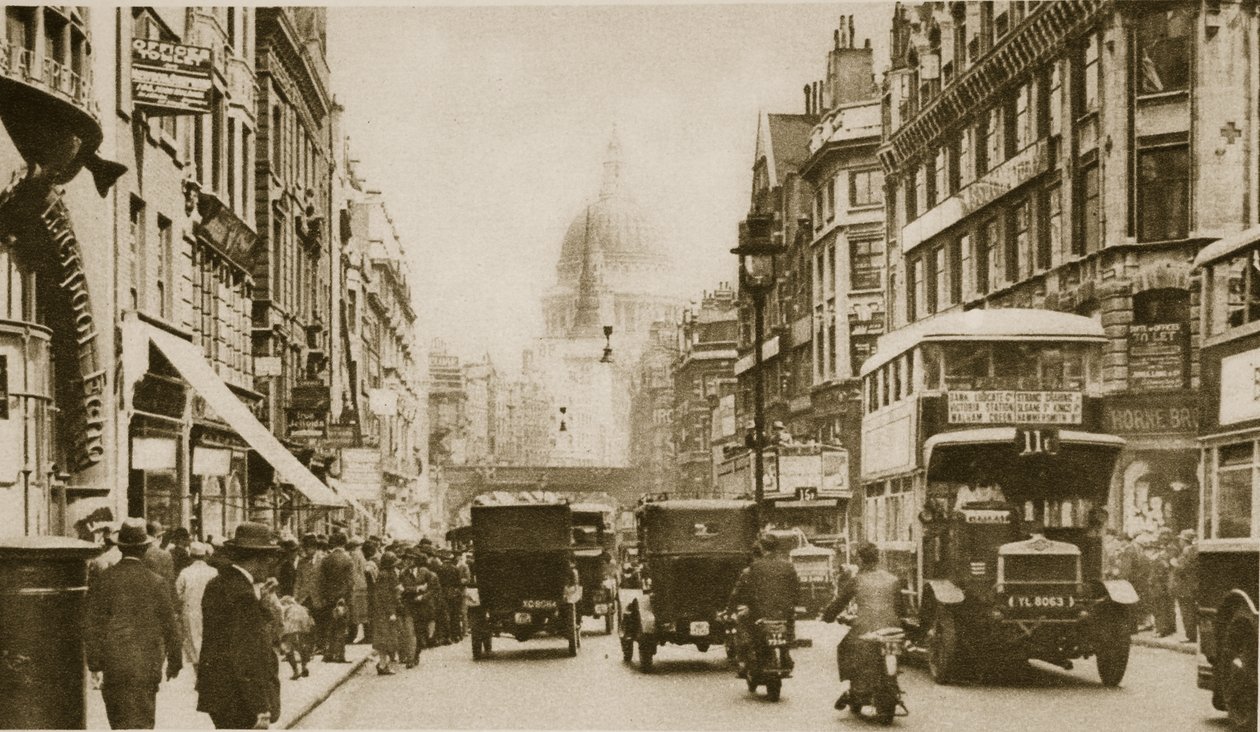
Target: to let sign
x: 1157, y: 357
x: 170, y: 78
x: 1014, y: 407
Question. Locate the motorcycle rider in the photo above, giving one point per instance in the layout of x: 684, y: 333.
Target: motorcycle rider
x: 880, y: 604
x: 769, y: 588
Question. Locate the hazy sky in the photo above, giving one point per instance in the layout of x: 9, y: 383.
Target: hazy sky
x: 485, y: 127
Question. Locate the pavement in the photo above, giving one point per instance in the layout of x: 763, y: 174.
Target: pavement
x: 1175, y: 642
x: 535, y: 685
x: 177, y: 699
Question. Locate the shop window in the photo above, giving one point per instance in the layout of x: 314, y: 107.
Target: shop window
x: 1163, y: 50
x: 1163, y: 195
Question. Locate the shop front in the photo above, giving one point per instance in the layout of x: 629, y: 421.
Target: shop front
x: 195, y: 445
x: 1156, y: 483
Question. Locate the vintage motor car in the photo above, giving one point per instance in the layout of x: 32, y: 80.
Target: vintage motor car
x: 526, y: 582
x: 594, y: 548
x: 692, y: 552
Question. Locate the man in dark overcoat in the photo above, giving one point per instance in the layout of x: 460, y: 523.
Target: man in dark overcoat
x: 131, y: 628
x: 336, y: 585
x: 238, y: 678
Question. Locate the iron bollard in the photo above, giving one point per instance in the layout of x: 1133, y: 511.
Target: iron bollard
x: 43, y: 589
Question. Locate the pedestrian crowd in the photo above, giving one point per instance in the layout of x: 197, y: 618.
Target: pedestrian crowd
x: 1163, y: 567
x: 230, y: 611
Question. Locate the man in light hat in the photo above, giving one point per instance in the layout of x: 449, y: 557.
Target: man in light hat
x: 1185, y: 582
x: 190, y: 586
x: 238, y: 680
x: 130, y: 628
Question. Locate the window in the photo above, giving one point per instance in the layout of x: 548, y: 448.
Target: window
x: 981, y: 146
x: 1023, y: 119
x: 135, y: 241
x: 991, y: 259
x: 955, y: 257
x: 1163, y: 50
x: 953, y: 164
x: 966, y: 268
x: 277, y: 138
x: 920, y: 289
x: 997, y: 148
x: 217, y: 114
x: 1085, y: 77
x: 1163, y: 195
x: 941, y: 187
x: 1050, y: 230
x: 1018, y: 247
x: 1235, y: 292
x: 930, y: 181
x: 1089, y: 225
x: 231, y: 163
x: 1235, y: 476
x: 866, y: 263
x: 912, y: 195
x: 960, y: 38
x: 829, y: 200
x: 940, y: 279
x: 866, y: 188
x: 165, y: 277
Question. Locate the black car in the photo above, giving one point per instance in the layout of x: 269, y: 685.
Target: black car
x: 525, y: 578
x: 691, y: 554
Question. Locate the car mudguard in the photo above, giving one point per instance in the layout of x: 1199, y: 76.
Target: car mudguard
x: 945, y: 592
x: 1120, y: 591
x: 647, y: 620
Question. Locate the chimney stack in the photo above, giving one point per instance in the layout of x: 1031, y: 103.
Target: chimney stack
x: 835, y: 39
x: 809, y: 106
x: 852, y: 38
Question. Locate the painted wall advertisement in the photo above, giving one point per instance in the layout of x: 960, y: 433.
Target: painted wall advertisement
x: 1015, y: 407
x: 1157, y: 357
x: 170, y: 78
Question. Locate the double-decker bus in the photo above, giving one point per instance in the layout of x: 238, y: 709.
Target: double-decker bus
x: 1229, y: 518
x: 984, y: 476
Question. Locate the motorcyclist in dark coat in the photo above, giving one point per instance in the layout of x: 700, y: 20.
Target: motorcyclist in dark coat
x: 769, y: 588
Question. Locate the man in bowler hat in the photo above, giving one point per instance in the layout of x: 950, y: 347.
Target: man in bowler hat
x: 131, y: 628
x: 238, y: 679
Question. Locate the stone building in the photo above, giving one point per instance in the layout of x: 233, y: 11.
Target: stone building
x: 293, y: 276
x: 652, y: 439
x: 702, y: 376
x: 846, y: 239
x: 779, y: 190
x: 60, y: 464
x: 1075, y: 156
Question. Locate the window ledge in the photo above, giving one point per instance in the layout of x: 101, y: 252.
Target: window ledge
x: 861, y: 207
x: 1164, y: 96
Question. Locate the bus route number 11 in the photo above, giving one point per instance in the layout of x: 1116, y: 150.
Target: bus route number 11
x: 1037, y: 442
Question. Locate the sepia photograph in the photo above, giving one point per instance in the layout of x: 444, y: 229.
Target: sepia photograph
x: 630, y: 365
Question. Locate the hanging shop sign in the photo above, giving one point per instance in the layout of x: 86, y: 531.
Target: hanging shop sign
x: 1157, y: 357
x: 305, y: 424
x: 170, y: 78
x: 1015, y: 407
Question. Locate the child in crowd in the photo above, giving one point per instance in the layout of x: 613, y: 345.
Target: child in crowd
x: 339, y: 625
x: 296, y: 640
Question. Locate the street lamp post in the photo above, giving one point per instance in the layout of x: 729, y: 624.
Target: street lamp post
x: 757, y: 249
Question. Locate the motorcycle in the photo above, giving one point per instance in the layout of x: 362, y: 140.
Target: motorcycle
x: 873, y: 677
x: 764, y: 661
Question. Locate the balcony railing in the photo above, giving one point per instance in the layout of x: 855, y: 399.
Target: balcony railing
x: 18, y: 63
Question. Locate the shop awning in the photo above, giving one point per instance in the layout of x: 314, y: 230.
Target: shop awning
x: 400, y: 528
x: 200, y: 375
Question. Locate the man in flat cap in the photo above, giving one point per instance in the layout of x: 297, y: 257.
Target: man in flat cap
x: 131, y: 628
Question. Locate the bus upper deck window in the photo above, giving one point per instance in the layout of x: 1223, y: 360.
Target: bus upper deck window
x: 932, y: 366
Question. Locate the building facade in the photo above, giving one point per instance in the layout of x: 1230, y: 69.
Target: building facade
x: 1074, y: 156
x: 702, y: 376
x: 779, y: 191
x: 846, y: 241
x: 653, y: 445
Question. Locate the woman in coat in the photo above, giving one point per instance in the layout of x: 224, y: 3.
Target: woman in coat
x: 386, y: 613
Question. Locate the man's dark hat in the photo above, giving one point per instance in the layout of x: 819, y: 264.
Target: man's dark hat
x: 132, y: 532
x: 179, y: 533
x: 337, y: 539
x: 288, y: 543
x: 769, y: 543
x: 310, y: 539
x: 252, y: 538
